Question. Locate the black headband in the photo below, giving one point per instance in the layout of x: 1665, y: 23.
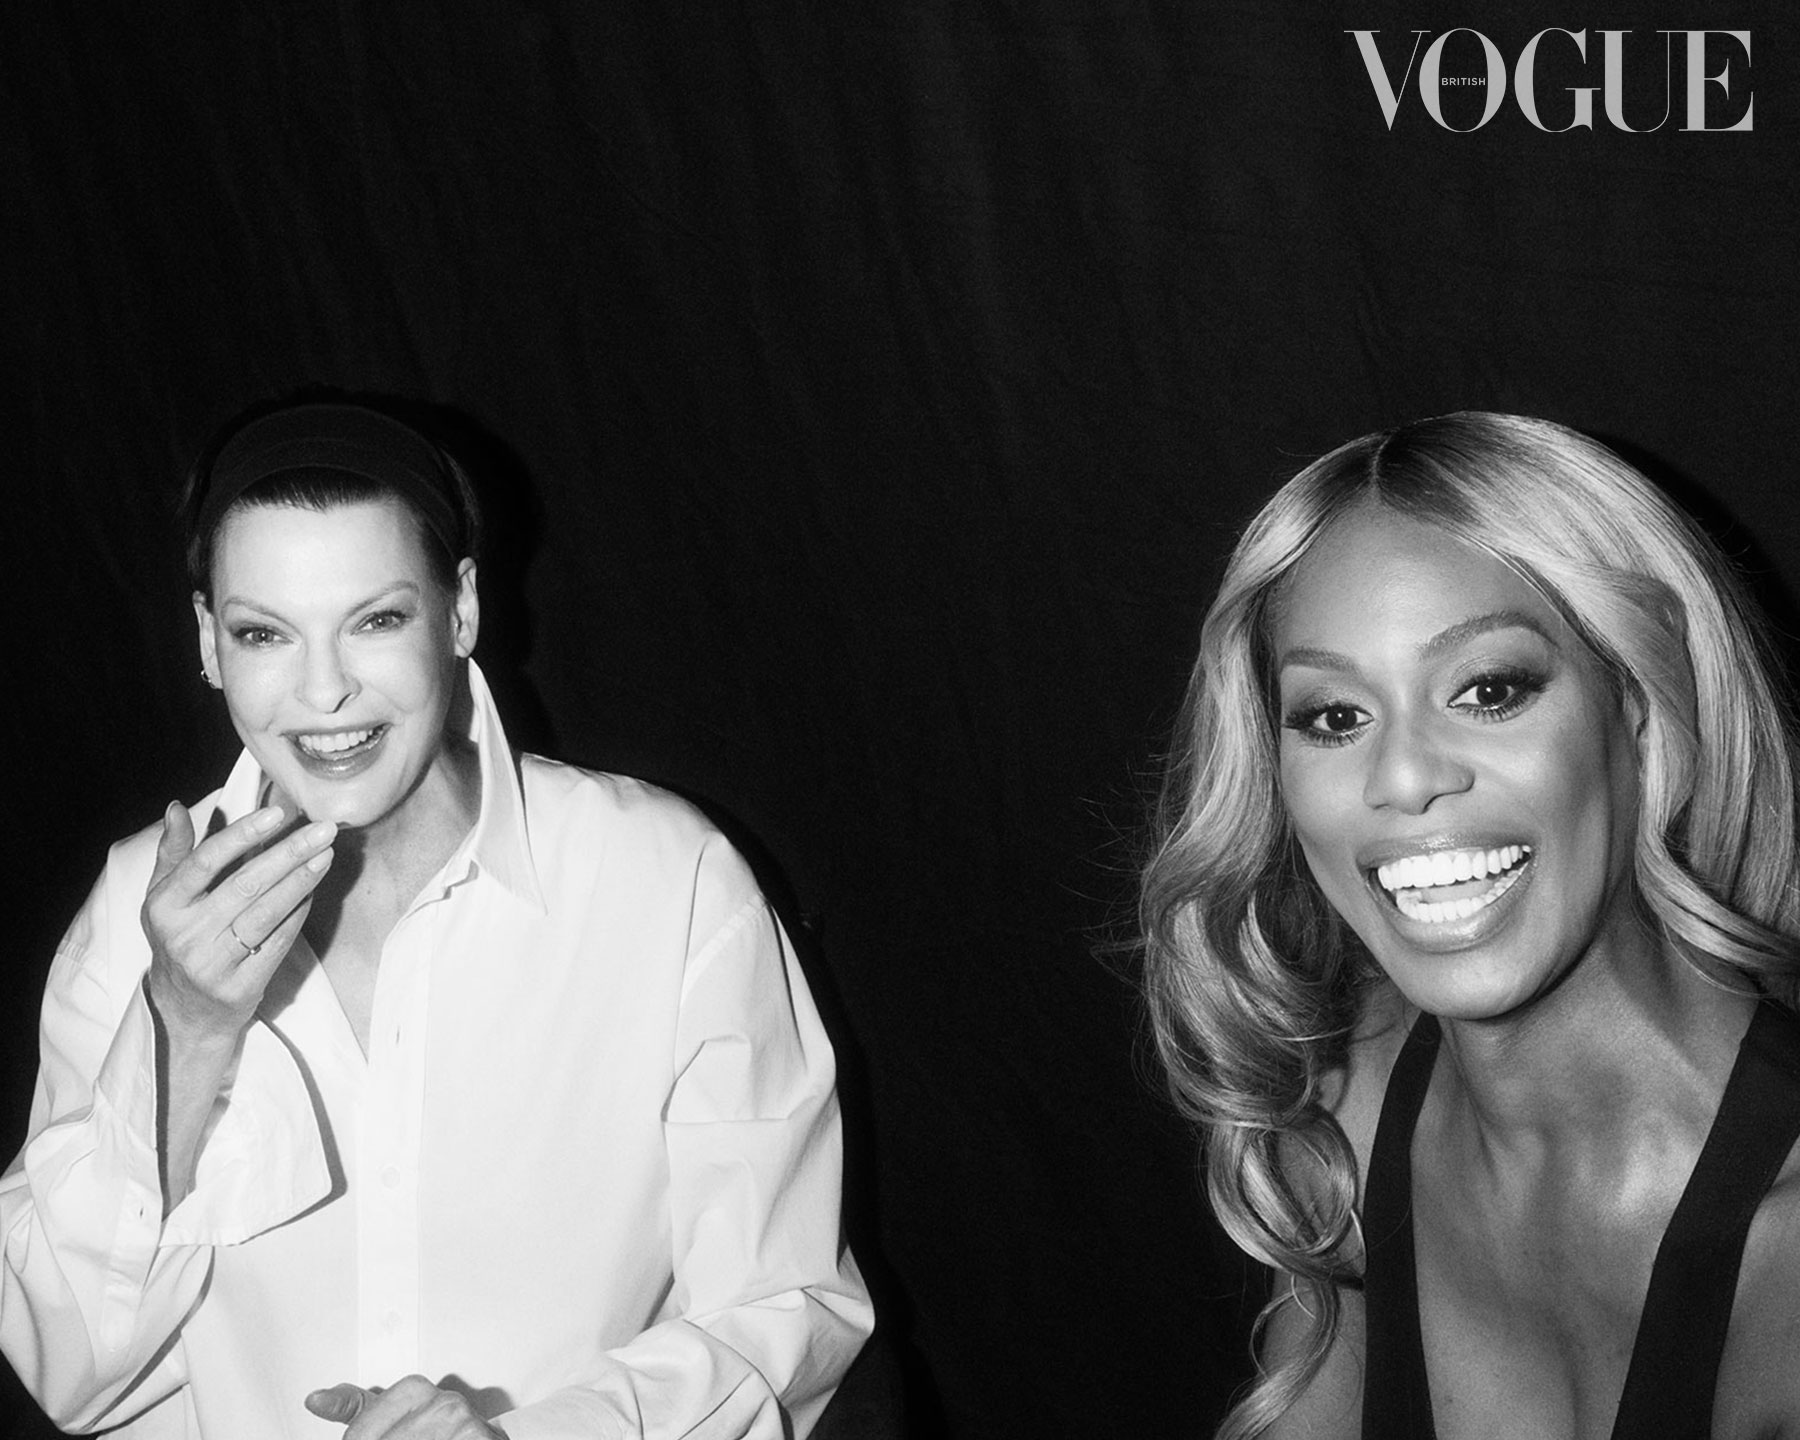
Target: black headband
x: 350, y: 439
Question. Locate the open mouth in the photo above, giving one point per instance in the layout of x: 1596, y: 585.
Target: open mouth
x: 337, y: 746
x: 1451, y: 884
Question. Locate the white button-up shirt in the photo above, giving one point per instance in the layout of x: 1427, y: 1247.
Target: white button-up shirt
x: 588, y: 1171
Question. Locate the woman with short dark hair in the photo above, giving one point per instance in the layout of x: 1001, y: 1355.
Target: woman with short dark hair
x: 406, y: 1083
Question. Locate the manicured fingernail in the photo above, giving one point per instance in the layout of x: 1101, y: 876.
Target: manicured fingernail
x: 266, y: 820
x: 319, y: 861
x: 169, y: 814
x: 319, y: 832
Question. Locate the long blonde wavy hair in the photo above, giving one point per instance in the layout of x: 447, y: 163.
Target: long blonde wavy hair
x: 1252, y: 980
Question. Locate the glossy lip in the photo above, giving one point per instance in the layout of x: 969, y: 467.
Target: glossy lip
x: 1448, y: 935
x: 343, y: 766
x: 1391, y: 850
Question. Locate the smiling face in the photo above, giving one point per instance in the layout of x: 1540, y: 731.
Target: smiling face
x: 337, y: 652
x: 1458, y: 770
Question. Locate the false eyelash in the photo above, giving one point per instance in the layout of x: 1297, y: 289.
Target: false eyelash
x: 1301, y: 720
x: 1526, y: 686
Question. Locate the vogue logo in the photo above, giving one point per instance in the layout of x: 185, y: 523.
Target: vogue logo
x: 1492, y: 76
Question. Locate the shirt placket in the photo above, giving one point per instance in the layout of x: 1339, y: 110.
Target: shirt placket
x: 389, y: 1154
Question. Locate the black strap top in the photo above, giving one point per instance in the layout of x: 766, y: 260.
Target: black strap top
x: 1681, y: 1334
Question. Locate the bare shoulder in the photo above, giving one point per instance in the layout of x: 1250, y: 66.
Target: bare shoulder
x: 1330, y: 1407
x: 1352, y: 1095
x: 1759, y: 1377
x: 1357, y: 1090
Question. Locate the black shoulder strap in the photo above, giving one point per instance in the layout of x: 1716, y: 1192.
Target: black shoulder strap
x: 1396, y: 1393
x: 1687, y: 1309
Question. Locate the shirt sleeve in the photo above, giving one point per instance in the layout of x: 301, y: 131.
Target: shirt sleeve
x: 767, y: 1308
x: 95, y: 1284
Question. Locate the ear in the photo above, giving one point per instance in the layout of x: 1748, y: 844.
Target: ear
x: 465, y: 616
x: 209, y: 642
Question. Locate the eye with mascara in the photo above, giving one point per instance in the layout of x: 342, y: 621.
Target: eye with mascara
x: 1333, y: 722
x: 1497, y: 694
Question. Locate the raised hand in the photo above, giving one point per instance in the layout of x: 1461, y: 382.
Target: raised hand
x: 217, y: 933
x: 410, y: 1409
x: 219, y: 918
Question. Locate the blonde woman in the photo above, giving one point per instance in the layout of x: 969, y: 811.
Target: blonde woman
x: 1471, y: 931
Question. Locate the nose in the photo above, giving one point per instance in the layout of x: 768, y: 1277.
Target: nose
x: 325, y: 683
x: 1412, y: 764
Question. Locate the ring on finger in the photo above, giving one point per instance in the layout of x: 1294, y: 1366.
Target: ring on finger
x: 249, y: 949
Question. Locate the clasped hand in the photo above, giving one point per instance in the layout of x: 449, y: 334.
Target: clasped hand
x: 410, y: 1409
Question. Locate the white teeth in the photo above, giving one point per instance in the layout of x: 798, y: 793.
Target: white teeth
x: 1445, y: 909
x: 1410, y: 875
x: 1437, y: 912
x: 334, y: 743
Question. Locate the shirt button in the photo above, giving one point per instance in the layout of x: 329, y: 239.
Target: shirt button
x: 390, y: 1177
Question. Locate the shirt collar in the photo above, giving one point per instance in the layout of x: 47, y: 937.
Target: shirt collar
x: 500, y: 843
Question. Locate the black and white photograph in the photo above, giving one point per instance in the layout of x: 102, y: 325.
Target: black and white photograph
x: 943, y: 721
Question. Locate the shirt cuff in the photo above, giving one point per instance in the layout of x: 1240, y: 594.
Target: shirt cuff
x: 263, y: 1160
x: 565, y: 1415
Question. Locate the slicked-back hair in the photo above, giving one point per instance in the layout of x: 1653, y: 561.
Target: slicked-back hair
x: 446, y: 544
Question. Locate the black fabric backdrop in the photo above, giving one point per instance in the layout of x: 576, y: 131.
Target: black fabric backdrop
x: 870, y: 395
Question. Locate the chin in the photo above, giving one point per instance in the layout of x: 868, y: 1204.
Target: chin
x: 345, y: 813
x: 1469, y: 986
x: 350, y: 807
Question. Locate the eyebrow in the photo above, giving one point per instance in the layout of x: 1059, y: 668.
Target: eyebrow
x: 1446, y: 639
x: 399, y: 587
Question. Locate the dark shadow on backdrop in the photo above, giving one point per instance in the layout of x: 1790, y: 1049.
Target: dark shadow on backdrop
x: 887, y: 1392
x: 1768, y: 587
